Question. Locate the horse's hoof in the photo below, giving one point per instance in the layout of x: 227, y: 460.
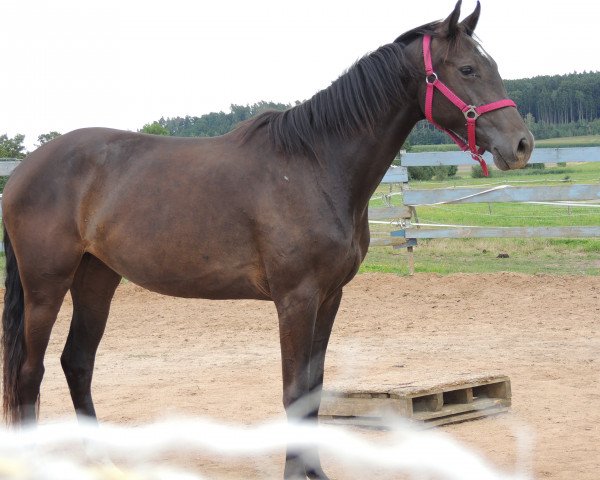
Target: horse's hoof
x: 316, y: 474
x: 294, y: 469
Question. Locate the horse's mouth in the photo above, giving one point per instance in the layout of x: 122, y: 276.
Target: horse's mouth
x: 499, y: 160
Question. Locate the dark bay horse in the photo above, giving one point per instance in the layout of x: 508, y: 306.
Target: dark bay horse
x: 96, y: 205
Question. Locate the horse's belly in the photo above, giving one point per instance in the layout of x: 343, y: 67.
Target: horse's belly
x: 211, y: 287
x: 217, y: 273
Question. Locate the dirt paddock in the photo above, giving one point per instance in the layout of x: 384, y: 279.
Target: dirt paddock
x: 221, y: 360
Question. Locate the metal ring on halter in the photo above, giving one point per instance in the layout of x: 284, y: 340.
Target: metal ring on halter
x: 433, y: 76
x: 471, y: 113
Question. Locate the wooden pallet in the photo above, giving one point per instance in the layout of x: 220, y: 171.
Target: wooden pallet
x: 430, y: 407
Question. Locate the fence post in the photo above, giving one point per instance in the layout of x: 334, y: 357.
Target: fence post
x: 411, y: 261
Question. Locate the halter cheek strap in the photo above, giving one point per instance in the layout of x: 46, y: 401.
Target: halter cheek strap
x: 471, y: 112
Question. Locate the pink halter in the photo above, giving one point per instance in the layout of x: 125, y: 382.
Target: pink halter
x: 471, y: 112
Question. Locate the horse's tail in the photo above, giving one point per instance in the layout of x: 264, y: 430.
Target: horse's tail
x: 13, y: 347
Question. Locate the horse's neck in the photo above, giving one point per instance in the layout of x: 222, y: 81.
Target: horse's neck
x: 362, y: 162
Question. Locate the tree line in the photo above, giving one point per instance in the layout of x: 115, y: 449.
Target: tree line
x: 558, y: 99
x: 13, y: 147
x: 214, y: 123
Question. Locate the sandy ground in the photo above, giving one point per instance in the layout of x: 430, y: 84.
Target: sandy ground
x: 164, y: 355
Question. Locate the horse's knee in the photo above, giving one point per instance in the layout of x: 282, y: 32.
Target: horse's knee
x: 77, y: 370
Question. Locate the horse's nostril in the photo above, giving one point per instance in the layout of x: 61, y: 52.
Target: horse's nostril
x: 523, y: 147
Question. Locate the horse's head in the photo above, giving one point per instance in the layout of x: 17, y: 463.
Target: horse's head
x: 460, y: 64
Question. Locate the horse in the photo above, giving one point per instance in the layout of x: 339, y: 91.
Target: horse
x: 97, y: 205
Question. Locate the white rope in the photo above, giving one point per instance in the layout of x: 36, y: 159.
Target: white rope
x: 54, y: 452
x: 388, y: 222
x: 443, y: 202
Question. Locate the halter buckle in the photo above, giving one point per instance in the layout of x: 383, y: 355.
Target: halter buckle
x: 431, y: 78
x: 471, y: 113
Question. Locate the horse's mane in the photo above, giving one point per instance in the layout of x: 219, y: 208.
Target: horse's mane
x: 350, y: 105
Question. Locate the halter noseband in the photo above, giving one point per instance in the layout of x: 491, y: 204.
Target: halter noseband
x: 471, y: 112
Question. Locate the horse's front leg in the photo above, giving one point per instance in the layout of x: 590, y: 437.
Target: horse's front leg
x: 322, y: 331
x: 298, y: 312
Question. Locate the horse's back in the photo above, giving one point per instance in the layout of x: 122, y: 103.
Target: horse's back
x: 85, y: 168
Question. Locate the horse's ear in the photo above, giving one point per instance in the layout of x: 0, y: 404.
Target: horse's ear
x: 471, y: 21
x: 450, y: 26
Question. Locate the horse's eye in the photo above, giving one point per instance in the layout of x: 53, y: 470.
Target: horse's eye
x: 467, y: 70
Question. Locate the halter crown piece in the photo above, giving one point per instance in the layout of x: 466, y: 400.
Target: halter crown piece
x: 471, y: 112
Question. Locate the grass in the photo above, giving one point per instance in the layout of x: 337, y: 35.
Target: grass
x: 509, y: 215
x: 588, y: 173
x: 443, y: 147
x: 529, y: 255
x: 581, y: 141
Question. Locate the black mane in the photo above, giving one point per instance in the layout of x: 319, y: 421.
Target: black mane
x: 350, y: 105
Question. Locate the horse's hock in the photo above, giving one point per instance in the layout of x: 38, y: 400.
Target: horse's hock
x: 427, y: 406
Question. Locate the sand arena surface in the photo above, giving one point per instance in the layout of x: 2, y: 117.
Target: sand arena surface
x: 164, y: 355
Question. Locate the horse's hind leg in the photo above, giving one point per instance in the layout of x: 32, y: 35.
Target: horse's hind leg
x: 40, y: 316
x: 27, y: 332
x: 92, y: 291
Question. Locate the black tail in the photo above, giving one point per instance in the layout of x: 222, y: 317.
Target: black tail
x: 12, y: 335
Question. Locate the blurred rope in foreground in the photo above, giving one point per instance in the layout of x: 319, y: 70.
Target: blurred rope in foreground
x: 68, y: 451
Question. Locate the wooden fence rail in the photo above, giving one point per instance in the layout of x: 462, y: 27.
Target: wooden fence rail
x: 7, y: 165
x: 508, y: 232
x: 502, y: 193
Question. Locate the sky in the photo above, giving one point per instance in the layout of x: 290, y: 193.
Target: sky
x: 68, y: 64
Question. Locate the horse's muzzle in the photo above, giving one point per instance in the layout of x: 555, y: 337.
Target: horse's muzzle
x: 511, y: 155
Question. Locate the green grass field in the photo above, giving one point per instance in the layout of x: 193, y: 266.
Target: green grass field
x: 582, y: 141
x: 530, y: 255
